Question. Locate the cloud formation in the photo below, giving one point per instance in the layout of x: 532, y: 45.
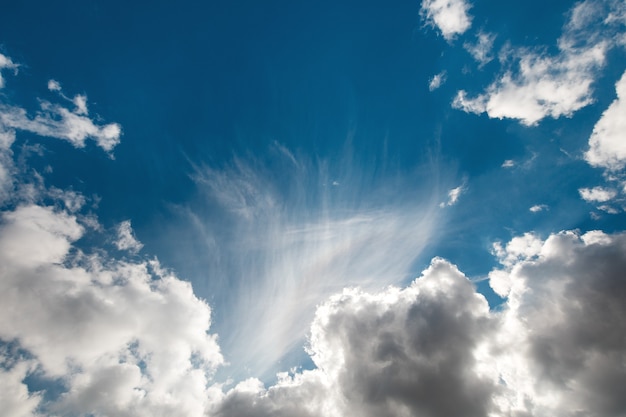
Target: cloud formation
x: 607, y: 144
x: 97, y: 335
x: 449, y: 16
x: 437, y: 81
x: 56, y: 121
x: 297, y: 238
x: 435, y: 348
x: 536, y: 85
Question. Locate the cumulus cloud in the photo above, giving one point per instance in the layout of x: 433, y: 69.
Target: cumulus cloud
x: 449, y: 16
x: 126, y: 238
x: 607, y: 144
x: 540, y: 85
x: 125, y: 332
x: 435, y: 348
x: 597, y: 194
x: 83, y: 333
x: 563, y: 324
x: 437, y: 81
x: 411, y: 351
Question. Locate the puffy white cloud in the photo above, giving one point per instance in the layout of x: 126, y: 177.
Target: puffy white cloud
x: 540, y: 85
x: 450, y: 16
x: 126, y: 239
x: 607, y: 144
x: 98, y: 336
x: 437, y: 81
x: 124, y: 336
x: 597, y: 194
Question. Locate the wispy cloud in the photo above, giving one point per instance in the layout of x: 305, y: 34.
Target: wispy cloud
x: 437, y: 81
x: 288, y: 242
x: 481, y: 50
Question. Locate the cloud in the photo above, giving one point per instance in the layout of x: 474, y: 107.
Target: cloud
x: 126, y: 239
x: 297, y: 237
x: 434, y: 348
x: 411, y: 351
x: 540, y: 85
x: 437, y: 81
x: 453, y: 196
x: 56, y: 121
x: 563, y: 325
x: 83, y: 333
x: 124, y: 337
x: 538, y: 207
x: 482, y: 49
x: 607, y: 144
x: 597, y: 194
x: 6, y: 63
x: 450, y: 16
x: 509, y: 163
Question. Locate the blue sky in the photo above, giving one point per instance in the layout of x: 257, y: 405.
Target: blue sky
x: 221, y: 208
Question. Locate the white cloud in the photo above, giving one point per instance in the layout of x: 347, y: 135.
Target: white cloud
x: 450, y: 16
x: 597, y: 194
x: 453, y: 196
x: 54, y: 85
x: 97, y: 335
x: 437, y: 81
x: 509, y: 163
x: 541, y: 85
x: 607, y: 144
x: 538, y: 207
x: 6, y: 63
x: 54, y: 120
x: 126, y: 238
x: 482, y: 49
x: 126, y: 337
x: 411, y: 351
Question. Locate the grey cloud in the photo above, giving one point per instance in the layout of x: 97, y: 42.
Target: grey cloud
x: 568, y: 305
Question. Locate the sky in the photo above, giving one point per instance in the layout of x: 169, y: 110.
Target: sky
x: 313, y: 209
